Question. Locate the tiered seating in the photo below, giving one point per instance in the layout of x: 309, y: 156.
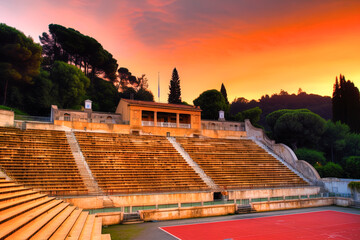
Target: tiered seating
x: 26, y: 214
x: 131, y: 164
x: 239, y: 163
x: 41, y: 159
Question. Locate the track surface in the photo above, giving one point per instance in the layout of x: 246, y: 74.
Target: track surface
x: 314, y: 225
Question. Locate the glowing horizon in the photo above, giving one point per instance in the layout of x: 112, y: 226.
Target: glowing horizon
x: 253, y: 47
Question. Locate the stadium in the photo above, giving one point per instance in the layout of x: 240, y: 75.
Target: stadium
x: 67, y: 176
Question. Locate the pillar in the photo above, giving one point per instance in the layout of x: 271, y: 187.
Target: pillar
x: 177, y: 120
x: 155, y: 118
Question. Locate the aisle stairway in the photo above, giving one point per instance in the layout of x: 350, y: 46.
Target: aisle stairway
x: 27, y: 214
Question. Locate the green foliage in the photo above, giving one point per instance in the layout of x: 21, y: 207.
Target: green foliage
x: 352, y: 145
x: 333, y: 139
x: 103, y: 94
x: 142, y: 94
x: 274, y: 116
x: 224, y: 93
x: 352, y: 167
x: 346, y: 103
x: 19, y: 58
x: 310, y: 155
x: 252, y: 114
x: 39, y: 96
x: 331, y: 170
x: 70, y: 85
x: 211, y: 102
x: 69, y: 45
x: 299, y: 128
x: 16, y: 111
x: 354, y: 186
x: 175, y: 90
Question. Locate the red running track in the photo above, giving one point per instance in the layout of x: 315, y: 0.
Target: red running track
x: 315, y: 225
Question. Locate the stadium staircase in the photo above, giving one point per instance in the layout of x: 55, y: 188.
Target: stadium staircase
x: 268, y: 150
x: 211, y: 184
x: 84, y: 170
x: 27, y: 214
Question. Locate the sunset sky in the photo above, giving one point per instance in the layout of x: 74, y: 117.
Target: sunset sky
x: 254, y: 47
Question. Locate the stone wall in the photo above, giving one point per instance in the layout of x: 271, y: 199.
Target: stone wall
x: 274, y: 192
x: 188, y: 212
x: 6, y: 118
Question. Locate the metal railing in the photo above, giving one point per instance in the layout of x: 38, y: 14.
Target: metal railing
x: 32, y: 118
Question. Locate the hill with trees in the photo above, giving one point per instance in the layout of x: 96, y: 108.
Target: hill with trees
x: 67, y: 68
x: 320, y: 105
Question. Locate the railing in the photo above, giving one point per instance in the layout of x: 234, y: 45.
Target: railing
x: 184, y: 125
x: 32, y: 118
x: 147, y: 123
x: 166, y: 124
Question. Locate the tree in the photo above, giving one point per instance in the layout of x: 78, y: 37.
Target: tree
x: 352, y: 167
x: 20, y: 58
x: 224, y: 93
x: 252, y: 114
x: 103, y: 94
x: 346, y: 103
x: 274, y: 116
x: 70, y: 85
x: 332, y: 170
x: 38, y: 96
x: 70, y: 46
x: 142, y: 94
x: 299, y: 129
x: 333, y: 139
x: 211, y: 102
x: 310, y: 155
x: 175, y: 91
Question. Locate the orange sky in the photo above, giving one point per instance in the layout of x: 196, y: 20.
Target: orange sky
x: 254, y: 47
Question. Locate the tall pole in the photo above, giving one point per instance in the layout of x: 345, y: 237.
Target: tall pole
x: 158, y: 86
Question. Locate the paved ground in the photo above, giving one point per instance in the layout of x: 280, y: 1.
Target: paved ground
x: 151, y: 231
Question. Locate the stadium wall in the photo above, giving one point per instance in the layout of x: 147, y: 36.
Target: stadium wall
x: 273, y: 192
x: 140, y: 200
x: 6, y: 118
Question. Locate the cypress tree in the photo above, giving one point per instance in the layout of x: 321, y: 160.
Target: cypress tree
x: 175, y: 91
x: 224, y: 93
x: 346, y: 103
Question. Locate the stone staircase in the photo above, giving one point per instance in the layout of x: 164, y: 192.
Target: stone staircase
x: 82, y: 165
x: 27, y: 214
x: 132, y: 218
x: 268, y: 150
x: 209, y: 182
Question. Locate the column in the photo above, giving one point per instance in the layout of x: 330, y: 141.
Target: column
x: 177, y: 120
x: 155, y: 119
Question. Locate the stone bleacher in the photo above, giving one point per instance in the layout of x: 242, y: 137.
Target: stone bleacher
x: 133, y: 164
x: 41, y: 159
x: 235, y: 164
x: 27, y: 214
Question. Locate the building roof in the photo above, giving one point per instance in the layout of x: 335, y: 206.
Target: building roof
x: 161, y: 105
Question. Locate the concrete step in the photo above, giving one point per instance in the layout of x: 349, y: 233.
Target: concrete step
x: 47, y: 231
x: 63, y: 231
x: 78, y: 226
x: 88, y: 227
x: 10, y: 226
x: 34, y: 226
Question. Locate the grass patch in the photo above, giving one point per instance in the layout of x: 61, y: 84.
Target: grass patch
x: 123, y: 232
x: 16, y: 111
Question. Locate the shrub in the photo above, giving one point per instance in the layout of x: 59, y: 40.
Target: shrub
x: 310, y: 155
x: 352, y: 166
x: 332, y: 170
x: 354, y: 186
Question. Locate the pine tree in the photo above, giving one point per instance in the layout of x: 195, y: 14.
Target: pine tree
x: 346, y: 103
x: 223, y: 92
x: 175, y: 91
